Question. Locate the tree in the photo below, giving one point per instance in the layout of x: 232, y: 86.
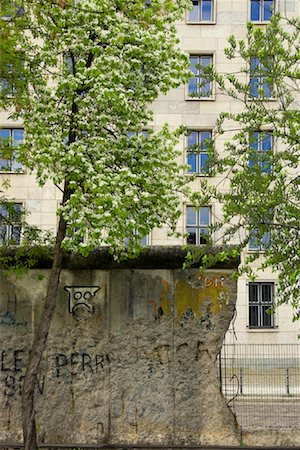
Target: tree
x: 81, y: 75
x: 260, y: 162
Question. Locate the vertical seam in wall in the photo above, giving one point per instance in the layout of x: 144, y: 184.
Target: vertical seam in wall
x: 108, y: 298
x: 174, y: 356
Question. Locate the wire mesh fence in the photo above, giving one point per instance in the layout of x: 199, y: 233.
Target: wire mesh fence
x: 261, y: 383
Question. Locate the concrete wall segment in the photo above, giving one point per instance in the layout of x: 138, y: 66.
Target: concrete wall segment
x: 130, y: 357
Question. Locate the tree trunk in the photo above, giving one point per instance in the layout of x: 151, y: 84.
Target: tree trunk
x: 40, y: 338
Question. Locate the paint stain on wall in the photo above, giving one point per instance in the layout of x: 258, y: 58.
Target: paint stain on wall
x: 190, y: 296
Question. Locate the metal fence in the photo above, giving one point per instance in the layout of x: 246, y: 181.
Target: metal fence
x: 261, y: 383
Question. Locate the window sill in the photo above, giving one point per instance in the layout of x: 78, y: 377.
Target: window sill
x: 12, y: 172
x: 199, y: 175
x: 206, y: 22
x: 263, y: 329
x: 200, y: 99
x: 258, y: 22
x: 262, y: 99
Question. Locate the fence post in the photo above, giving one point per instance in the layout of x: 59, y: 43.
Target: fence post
x: 220, y: 370
x: 287, y: 379
x: 241, y: 380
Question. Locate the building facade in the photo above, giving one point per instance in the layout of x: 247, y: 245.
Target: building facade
x: 203, y: 35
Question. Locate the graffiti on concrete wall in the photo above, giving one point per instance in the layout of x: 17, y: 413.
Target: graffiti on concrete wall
x: 78, y: 363
x: 8, y: 318
x: 12, y: 371
x: 81, y: 298
x: 190, y: 296
x: 62, y: 366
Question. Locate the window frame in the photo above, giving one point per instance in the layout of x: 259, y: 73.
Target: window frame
x: 260, y: 151
x: 263, y: 243
x: 10, y: 74
x: 10, y: 226
x: 212, y: 21
x: 13, y: 166
x: 260, y: 84
x: 261, y: 19
x: 198, y: 97
x: 198, y: 225
x: 264, y: 321
x: 144, y: 242
x: 201, y: 151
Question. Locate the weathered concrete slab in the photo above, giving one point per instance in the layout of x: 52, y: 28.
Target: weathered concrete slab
x: 131, y: 355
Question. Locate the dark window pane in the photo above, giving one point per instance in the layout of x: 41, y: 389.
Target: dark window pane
x: 268, y: 6
x: 265, y: 240
x: 203, y: 235
x: 254, y: 63
x: 253, y: 240
x: 203, y: 167
x: 254, y: 138
x: 205, y: 90
x: 193, y: 87
x: 192, y: 140
x: 16, y: 234
x: 144, y: 241
x: 3, y: 233
x: 9, y: 8
x: 191, y: 215
x: 4, y: 164
x: 191, y: 160
x: 205, y: 138
x: 266, y: 146
x: 253, y: 292
x: 255, y: 10
x: 265, y: 166
x: 266, y: 318
x: 206, y: 10
x: 266, y: 141
x: 204, y: 215
x: 5, y: 135
x: 18, y: 136
x: 266, y: 89
x: 3, y: 214
x: 254, y: 86
x: 253, y: 316
x: 194, y: 14
x: 205, y: 61
x: 194, y: 64
x: 266, y: 293
x: 191, y: 239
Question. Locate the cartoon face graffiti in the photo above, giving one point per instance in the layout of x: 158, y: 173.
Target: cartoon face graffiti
x: 81, y: 300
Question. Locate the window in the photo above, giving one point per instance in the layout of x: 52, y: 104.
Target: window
x: 197, y: 157
x: 69, y: 62
x: 199, y: 85
x: 9, y: 8
x: 259, y: 88
x: 10, y: 223
x: 10, y: 138
x: 259, y: 242
x: 6, y: 74
x: 202, y: 11
x: 261, y: 301
x: 143, y: 242
x: 197, y: 224
x: 261, y: 145
x: 11, y: 76
x: 261, y: 10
